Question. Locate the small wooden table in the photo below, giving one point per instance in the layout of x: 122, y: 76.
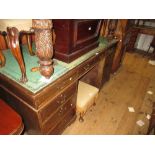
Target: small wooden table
x: 10, y: 121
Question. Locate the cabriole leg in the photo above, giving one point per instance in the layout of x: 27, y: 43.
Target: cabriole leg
x: 13, y: 39
x: 29, y: 44
x: 2, y: 59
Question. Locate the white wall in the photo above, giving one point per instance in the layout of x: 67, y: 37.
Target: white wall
x: 21, y: 24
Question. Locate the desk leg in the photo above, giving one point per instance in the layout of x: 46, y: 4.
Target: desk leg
x: 13, y: 40
x: 44, y: 47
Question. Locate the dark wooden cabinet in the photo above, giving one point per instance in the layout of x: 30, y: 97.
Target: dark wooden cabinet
x: 109, y: 57
x: 133, y: 33
x: 101, y: 70
x: 75, y: 37
x: 56, y: 110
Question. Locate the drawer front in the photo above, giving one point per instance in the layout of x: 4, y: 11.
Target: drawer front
x: 66, y: 80
x: 84, y: 68
x: 56, y: 88
x: 52, y: 106
x: 85, y: 30
x: 56, y: 117
x: 67, y: 120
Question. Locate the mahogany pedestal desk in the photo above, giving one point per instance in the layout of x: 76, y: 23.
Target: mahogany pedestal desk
x: 48, y: 106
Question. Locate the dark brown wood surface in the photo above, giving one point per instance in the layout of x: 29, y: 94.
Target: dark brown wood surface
x: 108, y: 64
x: 75, y: 37
x: 133, y: 32
x: 10, y: 121
x: 58, y: 101
x: 120, y: 34
x: 152, y: 120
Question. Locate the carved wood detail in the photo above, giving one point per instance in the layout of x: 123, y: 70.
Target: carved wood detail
x: 112, y: 28
x: 13, y: 41
x: 121, y: 46
x: 44, y: 46
x: 28, y: 35
x: 29, y: 44
x: 2, y: 59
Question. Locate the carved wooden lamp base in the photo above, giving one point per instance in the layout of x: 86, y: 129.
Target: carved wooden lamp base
x: 44, y: 47
x: 46, y: 68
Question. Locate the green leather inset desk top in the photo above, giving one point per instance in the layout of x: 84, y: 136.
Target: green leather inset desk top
x: 35, y: 81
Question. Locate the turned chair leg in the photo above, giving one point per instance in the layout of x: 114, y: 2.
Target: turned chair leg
x: 13, y: 39
x: 29, y: 44
x: 44, y: 45
x: 2, y: 59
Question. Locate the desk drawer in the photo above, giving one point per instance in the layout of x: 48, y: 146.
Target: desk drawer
x: 58, y: 115
x: 84, y: 68
x: 50, y: 92
x: 67, y: 120
x: 52, y: 106
x: 66, y: 80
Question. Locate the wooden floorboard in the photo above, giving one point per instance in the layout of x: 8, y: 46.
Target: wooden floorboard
x: 127, y: 88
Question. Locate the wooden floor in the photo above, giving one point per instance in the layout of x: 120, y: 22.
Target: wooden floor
x: 127, y: 88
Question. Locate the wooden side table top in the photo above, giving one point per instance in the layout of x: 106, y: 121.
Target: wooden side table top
x: 10, y: 121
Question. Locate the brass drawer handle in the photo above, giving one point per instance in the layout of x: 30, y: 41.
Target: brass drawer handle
x: 62, y: 86
x: 58, y: 102
x: 89, y: 28
x: 62, y: 99
x: 64, y: 83
x: 86, y: 67
x: 60, y: 111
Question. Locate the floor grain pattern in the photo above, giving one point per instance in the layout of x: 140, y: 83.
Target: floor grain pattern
x: 127, y: 88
